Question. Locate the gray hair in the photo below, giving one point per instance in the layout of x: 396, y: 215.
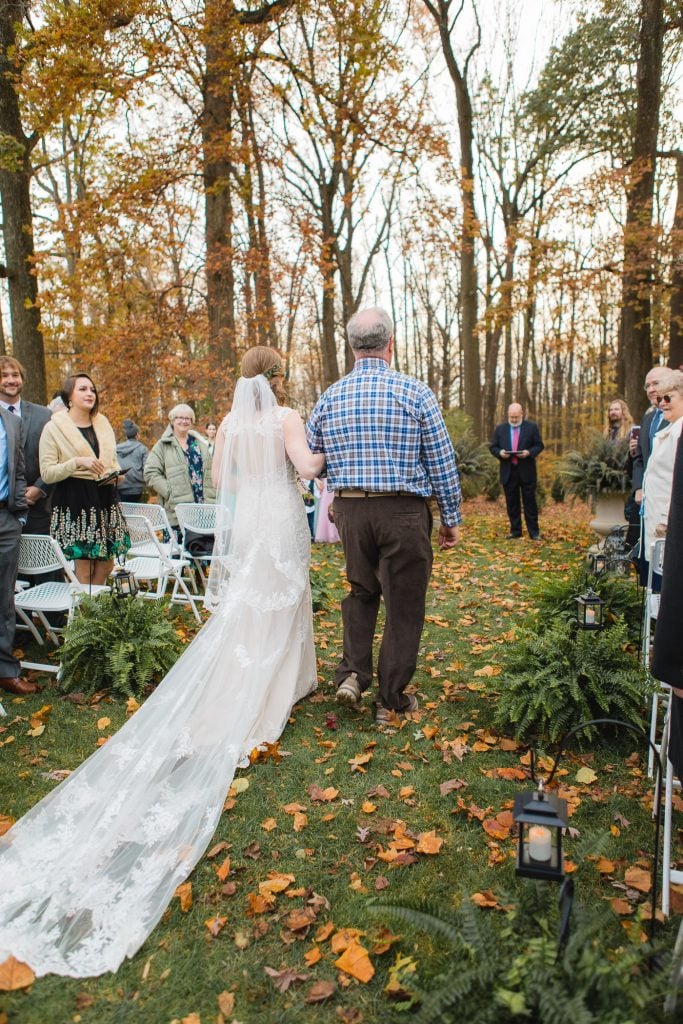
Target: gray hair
x: 669, y: 380
x: 370, y: 330
x: 181, y: 410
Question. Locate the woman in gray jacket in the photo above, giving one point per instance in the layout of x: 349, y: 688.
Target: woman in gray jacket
x: 179, y: 465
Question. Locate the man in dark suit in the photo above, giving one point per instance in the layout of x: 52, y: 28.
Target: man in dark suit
x: 516, y: 444
x: 13, y: 510
x: 32, y: 418
x: 641, y: 447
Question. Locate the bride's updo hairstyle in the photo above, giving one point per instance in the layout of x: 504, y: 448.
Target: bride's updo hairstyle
x: 268, y: 361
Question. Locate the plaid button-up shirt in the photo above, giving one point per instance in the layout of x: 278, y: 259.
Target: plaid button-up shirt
x: 383, y: 431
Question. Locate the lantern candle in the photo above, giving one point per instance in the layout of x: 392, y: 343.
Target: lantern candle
x: 539, y: 843
x: 590, y: 616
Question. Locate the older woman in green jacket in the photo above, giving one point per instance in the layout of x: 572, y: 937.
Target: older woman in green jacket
x: 179, y: 465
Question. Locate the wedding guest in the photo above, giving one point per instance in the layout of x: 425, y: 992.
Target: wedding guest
x: 33, y: 419
x: 178, y: 467
x: 78, y: 455
x: 658, y: 479
x: 619, y: 421
x: 211, y: 429
x: 325, y: 530
x: 132, y: 455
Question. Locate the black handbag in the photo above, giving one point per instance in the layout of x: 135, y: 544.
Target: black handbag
x: 199, y: 545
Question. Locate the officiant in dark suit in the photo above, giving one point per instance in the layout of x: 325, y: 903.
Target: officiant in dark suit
x: 516, y: 444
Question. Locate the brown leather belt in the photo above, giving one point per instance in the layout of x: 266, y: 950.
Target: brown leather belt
x: 355, y: 493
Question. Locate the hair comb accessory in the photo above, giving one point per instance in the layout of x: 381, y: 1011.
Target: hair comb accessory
x: 274, y: 371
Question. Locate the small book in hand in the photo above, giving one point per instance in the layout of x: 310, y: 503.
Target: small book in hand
x: 109, y: 478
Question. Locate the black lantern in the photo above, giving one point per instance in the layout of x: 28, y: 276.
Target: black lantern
x: 589, y: 610
x: 540, y: 818
x: 123, y: 582
x: 599, y: 563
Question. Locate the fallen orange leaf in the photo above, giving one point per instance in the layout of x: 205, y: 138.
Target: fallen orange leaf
x: 429, y: 843
x: 312, y: 956
x: 269, y: 824
x: 215, y: 925
x: 637, y: 878
x: 356, y: 962
x: 300, y: 821
x: 14, y: 975
x: 184, y: 894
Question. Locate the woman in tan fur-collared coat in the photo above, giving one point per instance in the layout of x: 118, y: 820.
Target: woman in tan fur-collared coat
x: 78, y: 450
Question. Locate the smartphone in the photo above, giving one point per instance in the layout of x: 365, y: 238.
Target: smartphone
x: 635, y: 432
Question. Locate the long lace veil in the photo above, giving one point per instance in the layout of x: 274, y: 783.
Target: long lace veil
x: 87, y: 873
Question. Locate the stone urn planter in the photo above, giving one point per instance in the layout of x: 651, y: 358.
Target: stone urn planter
x: 609, y: 512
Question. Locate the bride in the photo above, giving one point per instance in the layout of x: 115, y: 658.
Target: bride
x: 87, y: 873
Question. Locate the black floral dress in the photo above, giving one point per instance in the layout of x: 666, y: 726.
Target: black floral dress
x: 87, y: 521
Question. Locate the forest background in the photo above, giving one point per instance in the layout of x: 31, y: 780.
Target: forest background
x: 181, y: 180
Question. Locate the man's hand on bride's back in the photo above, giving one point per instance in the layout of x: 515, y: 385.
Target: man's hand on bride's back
x: 448, y: 536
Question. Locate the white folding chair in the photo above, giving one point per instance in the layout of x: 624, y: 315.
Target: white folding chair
x: 671, y: 783
x: 650, y: 612
x: 201, y: 521
x: 39, y: 554
x: 156, y: 514
x: 157, y: 568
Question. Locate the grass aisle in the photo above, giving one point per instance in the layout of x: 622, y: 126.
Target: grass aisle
x: 273, y: 925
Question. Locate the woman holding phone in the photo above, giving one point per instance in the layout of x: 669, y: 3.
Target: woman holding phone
x: 78, y: 455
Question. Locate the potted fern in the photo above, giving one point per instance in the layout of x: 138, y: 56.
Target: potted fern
x: 117, y: 645
x: 600, y: 476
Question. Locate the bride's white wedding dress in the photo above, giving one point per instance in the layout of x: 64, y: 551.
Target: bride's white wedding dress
x: 87, y: 873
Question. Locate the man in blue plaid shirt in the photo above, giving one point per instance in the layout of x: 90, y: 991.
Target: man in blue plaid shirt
x: 387, y: 451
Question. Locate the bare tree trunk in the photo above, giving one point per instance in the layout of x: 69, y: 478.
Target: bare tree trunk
x: 440, y: 11
x: 635, y: 342
x: 676, y: 322
x: 17, y: 219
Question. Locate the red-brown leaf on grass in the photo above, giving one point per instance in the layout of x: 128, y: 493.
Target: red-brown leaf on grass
x: 676, y: 892
x: 496, y: 828
x: 447, y: 787
x: 319, y: 795
x: 620, y: 906
x: 379, y: 791
x: 356, y: 962
x: 218, y: 848
x: 184, y: 894
x: 252, y: 850
x: 266, y: 752
x: 15, y: 975
x: 320, y: 991
x: 297, y: 920
x: 215, y: 925
x: 286, y: 977
x: 638, y: 878
x: 505, y: 744
x: 381, y: 883
x: 383, y: 941
x: 508, y: 773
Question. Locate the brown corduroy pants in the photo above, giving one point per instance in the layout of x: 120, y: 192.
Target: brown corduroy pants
x: 388, y: 549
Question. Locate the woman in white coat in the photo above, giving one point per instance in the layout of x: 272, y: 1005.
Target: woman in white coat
x: 658, y: 478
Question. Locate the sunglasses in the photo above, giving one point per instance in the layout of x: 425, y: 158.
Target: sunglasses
x: 665, y: 398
